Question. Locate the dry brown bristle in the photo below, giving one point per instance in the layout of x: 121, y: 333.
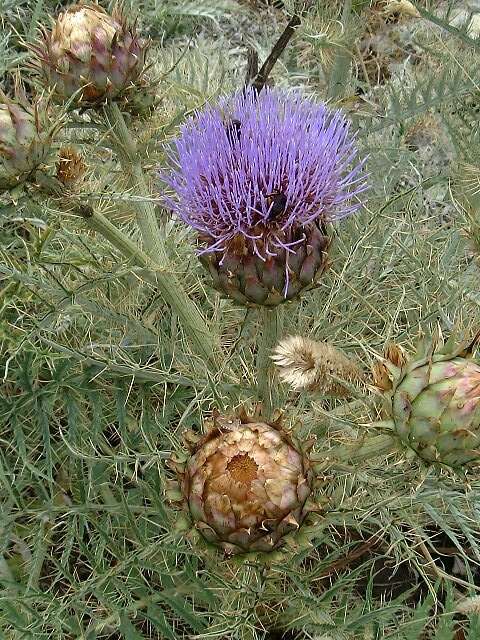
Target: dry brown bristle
x: 395, y: 354
x: 381, y: 378
x: 70, y: 167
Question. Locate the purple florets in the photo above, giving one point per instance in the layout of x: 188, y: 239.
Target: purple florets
x: 257, y: 165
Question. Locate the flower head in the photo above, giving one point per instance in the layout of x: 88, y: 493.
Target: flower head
x: 71, y: 166
x: 246, y: 483
x: 433, y: 399
x: 315, y: 366
x: 26, y: 136
x: 91, y: 52
x: 258, y: 175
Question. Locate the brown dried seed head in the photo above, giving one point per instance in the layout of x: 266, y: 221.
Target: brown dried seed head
x: 381, y: 376
x: 246, y: 485
x: 70, y: 167
x: 395, y: 354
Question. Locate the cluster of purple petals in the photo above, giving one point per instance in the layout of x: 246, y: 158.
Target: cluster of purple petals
x: 232, y: 158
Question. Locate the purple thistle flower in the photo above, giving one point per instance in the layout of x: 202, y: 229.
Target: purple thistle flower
x: 258, y: 176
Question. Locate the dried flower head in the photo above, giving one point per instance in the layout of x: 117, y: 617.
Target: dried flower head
x: 258, y: 176
x: 395, y: 354
x: 246, y: 484
x: 383, y: 370
x: 315, y: 366
x: 403, y: 7
x: 70, y: 166
x: 381, y: 377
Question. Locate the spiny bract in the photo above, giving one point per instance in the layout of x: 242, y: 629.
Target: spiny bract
x: 246, y: 484
x: 91, y: 52
x: 435, y: 402
x: 258, y: 176
x: 25, y: 138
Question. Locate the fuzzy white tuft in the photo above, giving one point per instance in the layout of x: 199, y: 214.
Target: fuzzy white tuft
x: 305, y: 364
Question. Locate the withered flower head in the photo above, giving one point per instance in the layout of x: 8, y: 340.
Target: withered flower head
x: 315, y: 366
x: 70, y: 166
x: 246, y: 484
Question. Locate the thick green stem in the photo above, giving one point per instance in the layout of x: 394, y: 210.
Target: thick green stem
x: 271, y: 327
x: 126, y: 147
x: 153, y: 239
x: 126, y: 246
x: 365, y: 449
x: 162, y: 277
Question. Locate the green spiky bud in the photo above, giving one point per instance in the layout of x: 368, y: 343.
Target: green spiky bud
x: 435, y: 403
x: 25, y: 138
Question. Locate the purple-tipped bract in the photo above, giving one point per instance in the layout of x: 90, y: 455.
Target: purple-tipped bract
x: 258, y: 176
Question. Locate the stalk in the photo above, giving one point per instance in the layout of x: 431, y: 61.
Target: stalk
x: 262, y: 76
x: 372, y: 447
x: 271, y: 329
x: 153, y: 238
x: 170, y: 287
x: 160, y: 276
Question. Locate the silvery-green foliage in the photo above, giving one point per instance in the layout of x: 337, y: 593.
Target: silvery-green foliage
x: 98, y: 381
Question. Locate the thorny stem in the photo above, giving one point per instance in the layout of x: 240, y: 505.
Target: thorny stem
x: 126, y: 148
x: 99, y: 223
x: 271, y: 328
x: 170, y: 287
x: 161, y: 276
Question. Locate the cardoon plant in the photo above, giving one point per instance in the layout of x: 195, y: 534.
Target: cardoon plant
x: 258, y: 176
